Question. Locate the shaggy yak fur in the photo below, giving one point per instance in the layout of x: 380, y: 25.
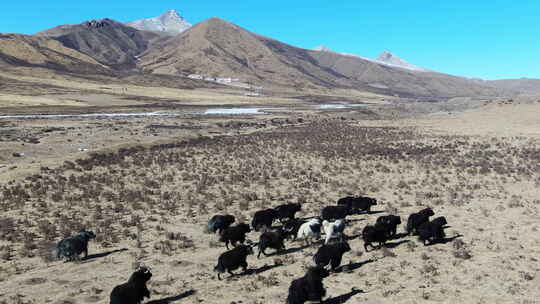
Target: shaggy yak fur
x: 309, y: 287
x: 417, y: 219
x: 264, y: 218
x: 432, y: 231
x: 310, y: 230
x: 234, y: 234
x: 374, y: 234
x: 134, y: 290
x: 287, y: 211
x: 291, y: 228
x: 220, y: 222
x: 331, y: 254
x: 233, y: 259
x: 334, y: 230
x: 272, y: 239
x: 71, y: 247
x: 358, y: 204
x: 390, y: 222
x: 335, y: 212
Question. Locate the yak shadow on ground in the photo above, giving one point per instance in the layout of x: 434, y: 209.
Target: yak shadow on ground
x: 260, y: 269
x: 353, y: 266
x: 445, y: 240
x: 251, y: 271
x: 395, y: 244
x: 374, y: 212
x: 173, y: 299
x: 103, y: 254
x: 399, y: 235
x: 344, y: 297
x: 289, y: 250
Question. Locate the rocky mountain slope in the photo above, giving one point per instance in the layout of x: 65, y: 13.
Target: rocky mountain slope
x: 107, y: 41
x: 218, y: 48
x: 31, y: 51
x: 169, y: 22
x: 401, y: 81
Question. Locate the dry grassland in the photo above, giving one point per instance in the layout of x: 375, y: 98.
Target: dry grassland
x: 150, y: 204
x: 133, y: 93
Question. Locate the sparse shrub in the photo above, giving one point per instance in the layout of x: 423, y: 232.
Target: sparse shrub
x: 6, y: 252
x: 388, y: 253
x: 461, y: 250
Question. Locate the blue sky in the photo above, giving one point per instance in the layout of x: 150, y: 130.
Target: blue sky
x: 474, y: 38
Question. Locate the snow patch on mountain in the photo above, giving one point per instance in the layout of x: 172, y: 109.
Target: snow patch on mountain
x: 392, y: 59
x: 170, y: 22
x: 385, y: 58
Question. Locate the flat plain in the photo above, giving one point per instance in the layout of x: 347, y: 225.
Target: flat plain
x: 148, y: 185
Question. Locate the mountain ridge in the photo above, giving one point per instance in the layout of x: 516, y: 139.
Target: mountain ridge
x: 218, y: 48
x: 108, y: 41
x: 385, y: 58
x: 18, y: 50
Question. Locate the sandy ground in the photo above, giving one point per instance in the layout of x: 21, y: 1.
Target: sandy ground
x: 494, y: 213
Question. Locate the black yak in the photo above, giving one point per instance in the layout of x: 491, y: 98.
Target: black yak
x: 233, y: 259
x: 390, y: 222
x: 309, y: 287
x: 264, y: 218
x: 220, y: 222
x: 417, y: 219
x: 71, y: 247
x: 234, y: 234
x: 432, y: 231
x: 331, y: 254
x: 134, y: 290
x: 287, y: 211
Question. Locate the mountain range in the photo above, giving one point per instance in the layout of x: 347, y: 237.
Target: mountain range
x: 168, y: 45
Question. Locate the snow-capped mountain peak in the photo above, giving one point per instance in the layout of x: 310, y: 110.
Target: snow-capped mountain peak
x: 390, y: 58
x: 322, y: 48
x: 172, y: 13
x: 385, y: 58
x: 170, y: 22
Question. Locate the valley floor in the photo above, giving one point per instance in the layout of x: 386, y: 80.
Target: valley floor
x: 147, y: 187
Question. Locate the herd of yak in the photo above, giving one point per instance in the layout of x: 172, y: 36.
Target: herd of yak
x: 332, y: 222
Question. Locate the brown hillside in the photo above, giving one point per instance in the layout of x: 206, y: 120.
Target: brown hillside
x: 218, y: 48
x: 107, y: 41
x: 400, y: 81
x: 32, y: 51
x: 525, y: 85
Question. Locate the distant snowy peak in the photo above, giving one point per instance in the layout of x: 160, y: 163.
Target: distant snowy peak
x: 385, y: 58
x: 169, y: 22
x: 392, y: 59
x: 322, y: 48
